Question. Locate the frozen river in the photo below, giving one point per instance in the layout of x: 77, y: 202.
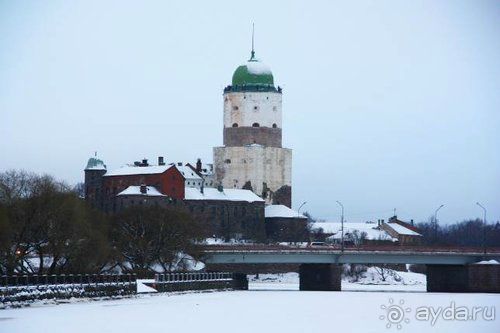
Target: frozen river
x: 260, y: 311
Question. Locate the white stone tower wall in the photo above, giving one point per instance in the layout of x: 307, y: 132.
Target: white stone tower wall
x: 255, y: 163
x: 247, y: 108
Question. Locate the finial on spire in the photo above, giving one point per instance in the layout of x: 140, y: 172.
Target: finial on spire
x: 253, y: 50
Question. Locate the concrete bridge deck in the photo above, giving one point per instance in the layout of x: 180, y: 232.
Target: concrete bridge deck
x: 260, y: 254
x: 449, y: 269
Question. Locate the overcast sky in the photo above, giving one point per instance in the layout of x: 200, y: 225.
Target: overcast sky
x: 386, y: 104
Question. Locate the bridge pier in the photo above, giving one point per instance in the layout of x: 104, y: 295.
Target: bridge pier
x: 320, y: 277
x: 463, y: 278
x: 240, y: 281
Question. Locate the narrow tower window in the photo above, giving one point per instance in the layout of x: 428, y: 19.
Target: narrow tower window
x: 255, y: 125
x: 235, y: 125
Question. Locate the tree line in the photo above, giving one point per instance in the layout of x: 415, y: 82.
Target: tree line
x: 47, y: 228
x: 472, y: 233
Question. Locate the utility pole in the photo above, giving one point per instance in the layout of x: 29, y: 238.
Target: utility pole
x: 484, y: 227
x: 341, y: 226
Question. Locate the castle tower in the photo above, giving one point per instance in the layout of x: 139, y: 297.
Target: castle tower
x: 252, y: 156
x: 94, y: 171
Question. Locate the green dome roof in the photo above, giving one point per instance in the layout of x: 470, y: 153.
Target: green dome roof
x: 254, y: 73
x: 95, y: 164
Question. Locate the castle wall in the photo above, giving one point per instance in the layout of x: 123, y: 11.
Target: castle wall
x: 234, y: 166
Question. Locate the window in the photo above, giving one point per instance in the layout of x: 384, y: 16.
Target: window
x: 235, y: 125
x: 228, y: 161
x: 255, y: 125
x: 274, y: 125
x: 235, y: 108
x: 255, y: 108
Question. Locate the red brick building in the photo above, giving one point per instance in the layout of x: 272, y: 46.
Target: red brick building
x: 101, y: 187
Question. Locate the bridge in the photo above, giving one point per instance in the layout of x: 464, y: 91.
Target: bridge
x: 449, y: 269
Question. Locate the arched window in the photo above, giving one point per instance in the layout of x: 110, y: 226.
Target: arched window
x: 274, y: 125
x: 255, y: 125
x: 235, y: 125
x: 235, y: 107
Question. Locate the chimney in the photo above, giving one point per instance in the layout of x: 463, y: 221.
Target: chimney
x: 198, y: 165
x: 411, y: 222
x: 179, y: 163
x: 144, y: 189
x: 220, y: 188
x: 160, y: 160
x: 144, y: 162
x: 378, y: 223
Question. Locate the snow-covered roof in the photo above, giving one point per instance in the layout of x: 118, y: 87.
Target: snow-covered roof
x: 151, y: 191
x: 402, y: 230
x: 187, y: 172
x: 371, y: 230
x: 227, y: 194
x: 257, y: 67
x: 282, y: 211
x: 207, y: 169
x: 138, y: 170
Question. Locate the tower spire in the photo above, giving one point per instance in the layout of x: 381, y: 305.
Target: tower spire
x: 253, y: 50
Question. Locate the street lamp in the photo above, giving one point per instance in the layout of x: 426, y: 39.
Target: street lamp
x: 298, y: 211
x: 341, y: 226
x: 436, y: 222
x: 436, y: 212
x: 484, y: 226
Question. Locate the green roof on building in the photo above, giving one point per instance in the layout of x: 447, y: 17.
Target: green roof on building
x: 95, y: 164
x: 253, y: 73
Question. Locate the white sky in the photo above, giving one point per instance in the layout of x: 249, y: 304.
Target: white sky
x: 387, y: 104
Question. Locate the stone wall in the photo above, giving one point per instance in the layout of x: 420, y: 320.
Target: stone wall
x: 241, y: 136
x: 283, y: 229
x: 229, y: 219
x: 267, y: 168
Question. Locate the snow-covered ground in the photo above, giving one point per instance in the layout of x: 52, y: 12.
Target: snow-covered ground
x: 143, y: 288
x: 250, y: 311
x: 371, y: 280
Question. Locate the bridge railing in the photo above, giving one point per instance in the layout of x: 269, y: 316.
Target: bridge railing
x: 64, y: 279
x: 192, y: 277
x: 18, y: 290
x: 200, y: 281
